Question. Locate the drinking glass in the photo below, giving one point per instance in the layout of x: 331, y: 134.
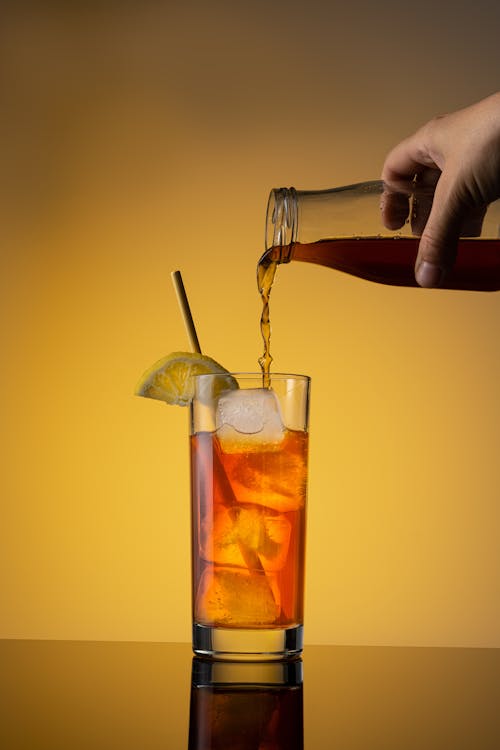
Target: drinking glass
x: 249, y: 449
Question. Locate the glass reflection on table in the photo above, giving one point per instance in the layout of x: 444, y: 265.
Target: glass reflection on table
x: 246, y: 706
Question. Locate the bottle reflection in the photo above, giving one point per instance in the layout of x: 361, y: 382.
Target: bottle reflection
x: 243, y: 706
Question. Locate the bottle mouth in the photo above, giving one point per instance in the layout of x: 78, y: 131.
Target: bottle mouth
x: 281, y: 223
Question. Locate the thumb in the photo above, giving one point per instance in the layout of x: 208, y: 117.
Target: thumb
x: 438, y: 243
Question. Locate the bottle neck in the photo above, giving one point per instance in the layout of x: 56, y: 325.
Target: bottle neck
x: 307, y: 216
x: 281, y: 223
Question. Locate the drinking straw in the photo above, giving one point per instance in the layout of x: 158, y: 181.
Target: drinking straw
x: 185, y: 311
x: 250, y: 556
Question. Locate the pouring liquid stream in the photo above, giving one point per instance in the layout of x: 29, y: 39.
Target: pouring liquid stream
x: 266, y: 271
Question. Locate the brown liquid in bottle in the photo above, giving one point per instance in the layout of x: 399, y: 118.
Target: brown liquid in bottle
x: 391, y: 260
x: 386, y: 260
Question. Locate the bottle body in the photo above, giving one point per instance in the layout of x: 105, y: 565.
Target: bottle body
x: 347, y: 229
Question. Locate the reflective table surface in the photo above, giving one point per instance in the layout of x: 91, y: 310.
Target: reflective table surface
x: 149, y: 696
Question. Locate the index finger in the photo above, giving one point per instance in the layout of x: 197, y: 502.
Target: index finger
x: 407, y: 159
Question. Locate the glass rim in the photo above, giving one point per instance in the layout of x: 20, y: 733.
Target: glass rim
x: 256, y: 375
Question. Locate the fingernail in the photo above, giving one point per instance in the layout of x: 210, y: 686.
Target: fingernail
x: 428, y: 274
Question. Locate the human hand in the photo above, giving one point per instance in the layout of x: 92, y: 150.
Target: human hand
x: 458, y: 156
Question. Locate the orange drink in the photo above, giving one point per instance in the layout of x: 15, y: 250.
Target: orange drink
x: 249, y: 449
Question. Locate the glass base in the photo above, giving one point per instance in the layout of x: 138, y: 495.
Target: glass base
x: 235, y: 644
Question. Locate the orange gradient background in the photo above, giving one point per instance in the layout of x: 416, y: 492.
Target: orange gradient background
x: 140, y: 137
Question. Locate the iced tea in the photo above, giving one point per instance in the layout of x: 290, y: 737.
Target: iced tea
x: 248, y: 513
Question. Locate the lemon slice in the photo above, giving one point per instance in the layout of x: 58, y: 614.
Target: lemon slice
x: 171, y: 378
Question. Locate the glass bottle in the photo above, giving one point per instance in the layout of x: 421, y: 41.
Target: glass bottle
x: 372, y: 231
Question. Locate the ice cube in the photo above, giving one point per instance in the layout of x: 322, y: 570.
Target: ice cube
x: 242, y: 536
x: 255, y: 411
x: 236, y: 598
